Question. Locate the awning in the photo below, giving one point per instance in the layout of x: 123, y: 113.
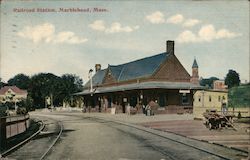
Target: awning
x: 141, y: 85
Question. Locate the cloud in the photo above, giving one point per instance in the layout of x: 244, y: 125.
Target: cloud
x: 156, y: 17
x: 186, y: 36
x: 191, y: 22
x: 38, y: 33
x: 97, y: 25
x: 68, y: 37
x: 46, y: 33
x: 207, y: 33
x: 115, y: 27
x: 176, y: 19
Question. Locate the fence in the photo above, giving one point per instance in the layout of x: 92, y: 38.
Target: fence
x: 11, y: 126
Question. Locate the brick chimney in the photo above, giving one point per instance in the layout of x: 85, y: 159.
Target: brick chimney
x: 170, y: 47
x: 97, y: 67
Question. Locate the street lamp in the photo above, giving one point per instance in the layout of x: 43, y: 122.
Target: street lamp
x: 91, y: 83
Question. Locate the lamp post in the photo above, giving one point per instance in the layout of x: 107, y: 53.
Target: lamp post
x: 91, y: 83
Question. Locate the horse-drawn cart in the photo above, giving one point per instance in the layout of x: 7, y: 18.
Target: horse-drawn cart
x: 214, y: 120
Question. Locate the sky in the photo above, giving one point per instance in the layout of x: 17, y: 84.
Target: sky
x: 62, y: 37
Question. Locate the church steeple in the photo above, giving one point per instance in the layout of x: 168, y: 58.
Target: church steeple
x: 195, y: 73
x: 195, y: 65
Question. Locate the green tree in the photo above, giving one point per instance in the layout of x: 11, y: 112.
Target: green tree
x: 27, y: 104
x: 70, y: 84
x: 208, y: 82
x: 22, y: 81
x: 60, y: 88
x: 2, y: 84
x: 232, y: 79
x: 43, y: 85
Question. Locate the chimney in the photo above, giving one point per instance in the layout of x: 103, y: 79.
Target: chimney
x: 97, y: 67
x: 170, y: 47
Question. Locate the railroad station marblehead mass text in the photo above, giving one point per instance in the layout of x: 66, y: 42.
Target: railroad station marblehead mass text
x: 65, y: 10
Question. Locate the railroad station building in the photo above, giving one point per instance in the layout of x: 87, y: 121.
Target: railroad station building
x: 160, y: 81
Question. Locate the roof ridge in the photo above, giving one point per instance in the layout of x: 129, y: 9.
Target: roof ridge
x: 139, y: 59
x: 121, y: 73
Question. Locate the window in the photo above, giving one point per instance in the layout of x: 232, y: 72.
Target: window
x: 210, y: 99
x: 162, y: 100
x: 133, y: 101
x: 184, y: 98
x: 199, y: 99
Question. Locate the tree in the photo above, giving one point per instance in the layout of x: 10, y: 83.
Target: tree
x: 232, y: 79
x: 71, y: 84
x: 43, y: 85
x: 22, y: 81
x: 2, y: 84
x: 208, y: 82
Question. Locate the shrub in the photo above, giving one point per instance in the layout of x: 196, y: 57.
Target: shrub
x: 21, y: 110
x: 3, y: 109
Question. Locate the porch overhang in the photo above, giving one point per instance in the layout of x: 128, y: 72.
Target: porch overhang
x: 142, y: 85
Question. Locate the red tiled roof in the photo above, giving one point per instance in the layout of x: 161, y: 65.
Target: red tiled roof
x: 13, y: 88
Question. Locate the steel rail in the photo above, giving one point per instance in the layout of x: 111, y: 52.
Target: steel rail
x: 54, y: 142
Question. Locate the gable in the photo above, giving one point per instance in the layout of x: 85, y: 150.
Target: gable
x: 172, y: 70
x: 109, y: 77
x: 10, y: 92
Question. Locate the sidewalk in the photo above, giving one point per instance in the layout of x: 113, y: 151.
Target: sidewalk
x: 142, y: 118
x: 184, y: 125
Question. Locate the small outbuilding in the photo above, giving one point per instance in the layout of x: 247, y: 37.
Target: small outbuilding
x: 209, y: 100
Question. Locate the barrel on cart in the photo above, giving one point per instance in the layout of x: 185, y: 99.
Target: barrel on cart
x: 214, y: 120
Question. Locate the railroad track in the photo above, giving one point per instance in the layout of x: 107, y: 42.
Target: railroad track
x: 39, y: 144
x: 209, y: 151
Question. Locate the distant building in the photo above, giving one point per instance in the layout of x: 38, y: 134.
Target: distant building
x: 195, y: 73
x: 160, y: 81
x: 219, y: 85
x: 12, y: 94
x: 209, y: 100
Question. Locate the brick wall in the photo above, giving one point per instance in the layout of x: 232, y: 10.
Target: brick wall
x: 172, y: 70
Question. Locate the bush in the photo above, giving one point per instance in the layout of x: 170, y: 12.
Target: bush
x: 21, y: 110
x: 3, y: 109
x: 27, y: 104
